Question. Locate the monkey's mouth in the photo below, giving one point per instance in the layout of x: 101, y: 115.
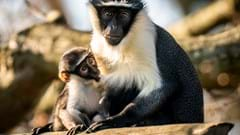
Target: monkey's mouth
x: 113, y: 40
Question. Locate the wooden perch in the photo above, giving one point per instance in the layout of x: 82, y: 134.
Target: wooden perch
x: 204, y: 19
x: 181, y: 129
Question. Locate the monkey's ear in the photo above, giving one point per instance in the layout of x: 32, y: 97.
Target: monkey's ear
x: 64, y: 76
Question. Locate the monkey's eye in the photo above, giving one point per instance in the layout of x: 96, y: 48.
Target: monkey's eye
x: 124, y: 14
x: 91, y: 61
x: 109, y: 14
x: 84, y: 69
x: 106, y: 14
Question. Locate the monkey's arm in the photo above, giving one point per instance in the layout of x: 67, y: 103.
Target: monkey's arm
x: 143, y: 105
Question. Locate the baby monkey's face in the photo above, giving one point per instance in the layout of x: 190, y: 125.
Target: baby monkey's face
x: 80, y: 63
x: 88, y: 68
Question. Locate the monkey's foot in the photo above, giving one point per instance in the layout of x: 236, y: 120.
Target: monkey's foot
x: 76, y: 129
x: 40, y: 130
x: 111, y: 122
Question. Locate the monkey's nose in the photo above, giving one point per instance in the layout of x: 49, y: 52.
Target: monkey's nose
x: 97, y: 78
x: 96, y: 71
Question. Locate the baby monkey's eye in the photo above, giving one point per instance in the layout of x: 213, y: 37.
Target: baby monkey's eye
x: 84, y: 69
x: 108, y: 14
x: 91, y: 61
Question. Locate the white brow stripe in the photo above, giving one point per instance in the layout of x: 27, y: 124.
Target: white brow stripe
x: 80, y: 60
x: 122, y: 3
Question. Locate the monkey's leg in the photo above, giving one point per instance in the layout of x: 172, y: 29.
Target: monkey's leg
x: 57, y: 124
x: 103, y: 112
x: 74, y: 121
x: 40, y: 130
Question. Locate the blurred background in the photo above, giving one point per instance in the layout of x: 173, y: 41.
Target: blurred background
x: 35, y: 33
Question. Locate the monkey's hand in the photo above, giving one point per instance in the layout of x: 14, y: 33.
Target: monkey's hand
x: 111, y: 122
x: 76, y: 129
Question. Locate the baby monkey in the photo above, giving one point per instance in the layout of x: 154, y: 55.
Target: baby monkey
x: 78, y: 104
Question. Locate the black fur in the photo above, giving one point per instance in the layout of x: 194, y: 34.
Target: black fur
x: 120, y: 97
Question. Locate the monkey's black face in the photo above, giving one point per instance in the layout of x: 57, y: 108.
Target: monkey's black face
x: 88, y: 69
x: 115, y: 22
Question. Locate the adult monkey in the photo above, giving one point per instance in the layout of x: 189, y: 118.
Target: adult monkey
x: 150, y: 78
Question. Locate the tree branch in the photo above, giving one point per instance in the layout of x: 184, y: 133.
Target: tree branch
x: 230, y: 36
x: 216, y: 57
x: 204, y: 19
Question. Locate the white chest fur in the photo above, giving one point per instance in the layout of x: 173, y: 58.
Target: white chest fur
x: 133, y: 60
x: 82, y: 96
